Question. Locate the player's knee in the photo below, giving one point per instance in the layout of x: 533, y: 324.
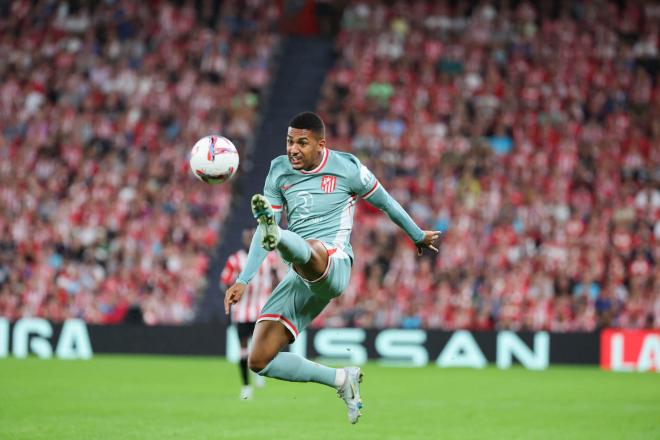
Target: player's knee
x: 257, y: 362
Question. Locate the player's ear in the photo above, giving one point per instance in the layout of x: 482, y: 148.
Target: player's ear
x: 322, y: 142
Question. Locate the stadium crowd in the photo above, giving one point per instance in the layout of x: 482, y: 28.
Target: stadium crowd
x: 529, y: 135
x: 99, y: 105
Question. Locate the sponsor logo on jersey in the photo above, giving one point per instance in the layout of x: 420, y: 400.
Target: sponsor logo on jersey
x: 328, y: 183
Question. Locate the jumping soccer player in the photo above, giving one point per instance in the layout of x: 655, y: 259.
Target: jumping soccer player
x: 319, y: 188
x: 244, y: 315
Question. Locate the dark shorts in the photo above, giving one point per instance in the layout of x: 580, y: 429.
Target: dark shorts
x: 245, y: 329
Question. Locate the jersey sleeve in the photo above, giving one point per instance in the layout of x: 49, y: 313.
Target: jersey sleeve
x: 367, y: 187
x: 257, y: 254
x: 272, y: 192
x: 363, y: 182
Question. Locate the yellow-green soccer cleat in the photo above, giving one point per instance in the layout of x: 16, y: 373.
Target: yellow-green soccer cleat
x: 349, y: 392
x: 267, y: 227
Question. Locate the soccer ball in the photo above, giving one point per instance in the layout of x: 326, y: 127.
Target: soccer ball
x: 214, y: 159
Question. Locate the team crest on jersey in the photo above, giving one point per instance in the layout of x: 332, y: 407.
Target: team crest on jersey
x: 328, y: 183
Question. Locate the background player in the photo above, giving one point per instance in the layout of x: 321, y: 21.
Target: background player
x: 319, y: 188
x: 244, y: 314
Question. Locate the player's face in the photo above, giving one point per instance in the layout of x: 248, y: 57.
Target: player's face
x: 303, y: 148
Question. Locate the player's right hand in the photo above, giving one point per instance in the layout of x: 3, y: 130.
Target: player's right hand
x: 428, y: 241
x: 233, y: 295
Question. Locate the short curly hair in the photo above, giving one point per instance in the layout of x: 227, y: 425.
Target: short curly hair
x: 309, y: 121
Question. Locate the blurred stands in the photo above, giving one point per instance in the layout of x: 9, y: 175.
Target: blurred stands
x: 99, y: 106
x: 529, y: 133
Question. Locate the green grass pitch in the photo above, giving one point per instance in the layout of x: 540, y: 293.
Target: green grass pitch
x: 124, y: 397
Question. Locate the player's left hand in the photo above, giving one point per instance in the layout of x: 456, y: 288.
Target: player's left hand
x: 428, y: 242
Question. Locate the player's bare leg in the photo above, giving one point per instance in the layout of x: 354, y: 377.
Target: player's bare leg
x: 266, y: 359
x: 315, y: 267
x: 269, y: 338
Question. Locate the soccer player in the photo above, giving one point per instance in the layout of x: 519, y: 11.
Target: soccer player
x: 245, y: 314
x: 318, y: 188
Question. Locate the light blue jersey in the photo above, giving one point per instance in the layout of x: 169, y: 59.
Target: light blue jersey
x: 320, y: 203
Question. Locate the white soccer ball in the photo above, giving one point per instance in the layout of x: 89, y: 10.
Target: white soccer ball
x: 214, y: 159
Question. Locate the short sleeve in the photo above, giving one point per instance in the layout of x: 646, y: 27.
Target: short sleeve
x: 363, y: 181
x: 272, y: 192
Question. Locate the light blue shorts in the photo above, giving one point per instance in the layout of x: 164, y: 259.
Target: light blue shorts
x: 295, y: 302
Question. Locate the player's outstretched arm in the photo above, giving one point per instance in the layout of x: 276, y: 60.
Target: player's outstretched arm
x: 382, y: 200
x: 256, y: 256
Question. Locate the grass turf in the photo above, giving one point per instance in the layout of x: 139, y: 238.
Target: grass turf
x: 124, y: 397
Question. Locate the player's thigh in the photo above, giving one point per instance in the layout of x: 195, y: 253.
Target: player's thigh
x: 317, y: 264
x: 270, y: 336
x: 336, y: 278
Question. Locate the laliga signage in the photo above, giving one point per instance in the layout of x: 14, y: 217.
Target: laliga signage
x: 413, y: 348
x: 33, y: 335
x: 630, y: 350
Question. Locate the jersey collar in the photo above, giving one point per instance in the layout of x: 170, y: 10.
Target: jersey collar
x: 326, y: 153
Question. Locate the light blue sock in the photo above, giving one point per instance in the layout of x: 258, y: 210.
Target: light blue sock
x: 294, y: 248
x: 294, y: 368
